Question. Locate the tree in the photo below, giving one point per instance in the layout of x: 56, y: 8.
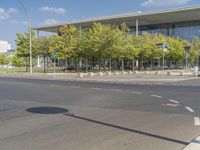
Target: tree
x: 43, y: 49
x: 84, y: 46
x: 132, y: 49
x: 176, y: 51
x: 195, y: 50
x: 66, y: 43
x: 23, y: 46
x: 18, y: 61
x: 4, y: 59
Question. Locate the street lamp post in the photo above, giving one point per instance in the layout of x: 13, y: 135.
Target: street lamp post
x: 164, y: 46
x: 30, y: 33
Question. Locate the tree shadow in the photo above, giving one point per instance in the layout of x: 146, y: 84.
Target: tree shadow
x: 130, y: 130
x: 47, y: 110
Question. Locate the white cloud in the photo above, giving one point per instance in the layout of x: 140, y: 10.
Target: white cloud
x: 18, y: 22
x: 164, y: 2
x: 53, y: 9
x: 51, y: 21
x: 12, y: 11
x: 6, y: 13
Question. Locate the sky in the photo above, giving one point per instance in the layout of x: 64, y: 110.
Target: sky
x: 45, y: 12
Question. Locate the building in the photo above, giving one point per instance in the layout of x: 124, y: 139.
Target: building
x: 11, y: 52
x: 182, y: 22
x: 4, y: 46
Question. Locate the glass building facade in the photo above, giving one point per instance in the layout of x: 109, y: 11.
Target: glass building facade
x: 184, y: 30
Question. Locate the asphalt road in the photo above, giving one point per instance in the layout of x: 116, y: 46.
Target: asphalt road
x: 58, y: 115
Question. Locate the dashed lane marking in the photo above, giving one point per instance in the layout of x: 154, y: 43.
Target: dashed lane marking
x: 174, y: 101
x: 96, y: 88
x: 115, y: 90
x: 157, y: 96
x: 172, y: 105
x: 139, y: 93
x: 189, y: 109
x: 196, y: 121
x: 75, y: 87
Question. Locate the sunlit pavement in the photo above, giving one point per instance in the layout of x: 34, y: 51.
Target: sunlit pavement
x: 49, y: 115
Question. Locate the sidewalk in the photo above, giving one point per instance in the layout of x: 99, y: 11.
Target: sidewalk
x: 104, y: 78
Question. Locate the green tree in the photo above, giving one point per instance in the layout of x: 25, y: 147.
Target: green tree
x: 195, y: 50
x: 18, y: 61
x: 43, y: 49
x: 84, y: 47
x: 4, y: 59
x: 23, y: 46
x: 65, y: 43
x: 176, y: 51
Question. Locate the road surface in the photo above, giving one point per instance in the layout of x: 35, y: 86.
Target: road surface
x: 58, y: 115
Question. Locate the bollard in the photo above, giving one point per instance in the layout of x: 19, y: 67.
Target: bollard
x: 130, y: 72
x: 109, y: 73
x: 81, y: 75
x: 123, y: 72
x: 101, y: 74
x: 181, y: 73
x: 117, y: 72
x: 91, y: 74
x: 135, y: 72
x: 195, y: 74
x: 168, y: 73
x: 156, y: 73
x: 147, y: 72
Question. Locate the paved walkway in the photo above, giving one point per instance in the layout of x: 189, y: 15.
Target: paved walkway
x: 125, y: 79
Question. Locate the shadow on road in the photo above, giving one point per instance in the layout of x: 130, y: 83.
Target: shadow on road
x: 130, y: 130
x: 47, y: 110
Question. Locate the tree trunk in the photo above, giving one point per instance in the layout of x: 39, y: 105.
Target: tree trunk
x: 93, y: 63
x: 99, y: 65
x: 66, y: 65
x: 133, y: 65
x: 86, y: 67
x: 47, y: 64
x: 110, y: 64
x: 122, y: 64
x: 80, y: 64
x: 26, y: 64
x: 104, y: 66
x: 44, y: 58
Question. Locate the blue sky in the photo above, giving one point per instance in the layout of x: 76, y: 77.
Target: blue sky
x: 43, y: 12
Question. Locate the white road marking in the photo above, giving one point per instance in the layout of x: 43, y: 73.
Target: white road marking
x: 194, y: 145
x: 54, y: 85
x: 173, y: 101
x: 196, y: 121
x: 189, y: 109
x: 75, y: 87
x: 96, y: 88
x: 172, y: 105
x: 157, y: 96
x: 115, y: 90
x: 135, y: 92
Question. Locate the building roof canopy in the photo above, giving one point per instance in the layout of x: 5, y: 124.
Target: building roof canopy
x: 145, y: 18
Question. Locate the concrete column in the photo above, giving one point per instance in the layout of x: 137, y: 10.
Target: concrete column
x: 137, y: 27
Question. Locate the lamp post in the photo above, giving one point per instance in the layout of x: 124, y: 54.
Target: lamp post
x: 165, y: 47
x: 30, y: 33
